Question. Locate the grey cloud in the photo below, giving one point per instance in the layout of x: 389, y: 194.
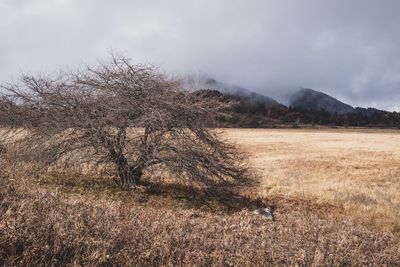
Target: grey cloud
x: 346, y: 48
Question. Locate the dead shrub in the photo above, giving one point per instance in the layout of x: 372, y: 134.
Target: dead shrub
x: 130, y: 116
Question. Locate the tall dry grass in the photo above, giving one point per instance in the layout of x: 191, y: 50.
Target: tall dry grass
x: 358, y: 169
x: 53, y: 227
x: 65, y: 219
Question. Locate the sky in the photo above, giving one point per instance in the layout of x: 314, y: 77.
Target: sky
x: 349, y: 49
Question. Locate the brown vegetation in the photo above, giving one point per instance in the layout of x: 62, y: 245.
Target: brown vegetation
x: 358, y: 169
x: 76, y: 222
x: 62, y: 218
x: 334, y: 194
x: 128, y: 116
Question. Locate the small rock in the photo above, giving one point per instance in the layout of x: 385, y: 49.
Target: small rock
x: 265, y: 212
x: 147, y: 254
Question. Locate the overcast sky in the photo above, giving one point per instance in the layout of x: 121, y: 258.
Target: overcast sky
x: 347, y: 48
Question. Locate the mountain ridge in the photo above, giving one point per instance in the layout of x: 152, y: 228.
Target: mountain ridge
x: 311, y: 99
x: 228, y: 89
x: 307, y: 106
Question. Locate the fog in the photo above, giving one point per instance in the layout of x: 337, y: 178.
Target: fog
x: 349, y: 49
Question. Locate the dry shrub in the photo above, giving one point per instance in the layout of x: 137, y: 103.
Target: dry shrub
x: 130, y: 116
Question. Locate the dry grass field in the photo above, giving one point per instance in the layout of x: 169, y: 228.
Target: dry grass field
x: 358, y: 170
x: 334, y: 194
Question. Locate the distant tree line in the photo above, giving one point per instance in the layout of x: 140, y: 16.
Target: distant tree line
x: 355, y: 119
x: 258, y: 114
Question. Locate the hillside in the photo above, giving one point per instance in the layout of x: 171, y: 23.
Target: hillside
x: 307, y: 107
x: 309, y: 99
x: 242, y: 93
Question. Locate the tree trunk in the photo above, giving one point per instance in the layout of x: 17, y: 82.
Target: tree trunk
x: 129, y: 176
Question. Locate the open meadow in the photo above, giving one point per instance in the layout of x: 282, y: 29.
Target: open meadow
x: 356, y: 169
x: 334, y: 194
x: 200, y: 133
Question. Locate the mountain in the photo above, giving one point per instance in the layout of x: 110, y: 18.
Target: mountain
x: 309, y: 99
x: 229, y: 90
x: 307, y: 107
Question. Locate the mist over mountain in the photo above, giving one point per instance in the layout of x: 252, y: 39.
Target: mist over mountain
x: 205, y: 82
x: 304, y: 98
x: 310, y: 99
x: 305, y: 107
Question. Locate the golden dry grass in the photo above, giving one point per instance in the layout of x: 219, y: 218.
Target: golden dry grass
x: 313, y: 180
x: 90, y: 223
x: 356, y: 169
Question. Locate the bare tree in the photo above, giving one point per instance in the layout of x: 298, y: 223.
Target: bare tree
x: 131, y: 116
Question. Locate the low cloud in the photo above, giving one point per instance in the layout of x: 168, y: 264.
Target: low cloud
x: 348, y: 49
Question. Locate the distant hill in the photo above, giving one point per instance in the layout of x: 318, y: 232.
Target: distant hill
x: 310, y: 108
x: 306, y: 107
x: 206, y: 83
x: 247, y: 111
x: 312, y: 100
x: 244, y: 94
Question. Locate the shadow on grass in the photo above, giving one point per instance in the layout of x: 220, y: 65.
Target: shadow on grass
x: 172, y: 195
x: 215, y: 199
